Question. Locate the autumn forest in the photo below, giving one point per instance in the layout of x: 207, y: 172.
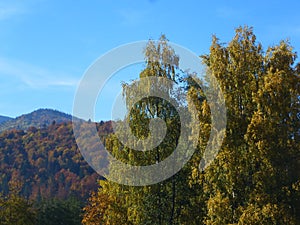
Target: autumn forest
x: 254, y: 177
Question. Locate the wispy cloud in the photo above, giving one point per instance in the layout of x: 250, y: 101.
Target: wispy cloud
x: 34, y: 76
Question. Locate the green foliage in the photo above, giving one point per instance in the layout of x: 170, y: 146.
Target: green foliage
x: 59, y: 212
x: 15, y: 209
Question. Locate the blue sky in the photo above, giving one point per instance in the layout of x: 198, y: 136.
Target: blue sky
x: 47, y: 45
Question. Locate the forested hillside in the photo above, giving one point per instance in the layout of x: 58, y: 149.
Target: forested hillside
x: 46, y: 162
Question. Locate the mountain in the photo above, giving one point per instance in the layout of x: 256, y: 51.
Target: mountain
x: 39, y: 118
x: 46, y: 161
x: 4, y: 119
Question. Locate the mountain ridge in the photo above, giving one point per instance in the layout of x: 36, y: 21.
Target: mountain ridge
x: 38, y: 118
x: 3, y: 119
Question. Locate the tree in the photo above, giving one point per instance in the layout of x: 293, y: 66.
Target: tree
x: 255, y: 171
x: 15, y: 209
x: 254, y: 178
x: 56, y: 212
x: 160, y: 203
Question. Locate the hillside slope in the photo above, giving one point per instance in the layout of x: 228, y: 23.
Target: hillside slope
x: 39, y: 118
x: 4, y: 119
x: 47, y: 162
